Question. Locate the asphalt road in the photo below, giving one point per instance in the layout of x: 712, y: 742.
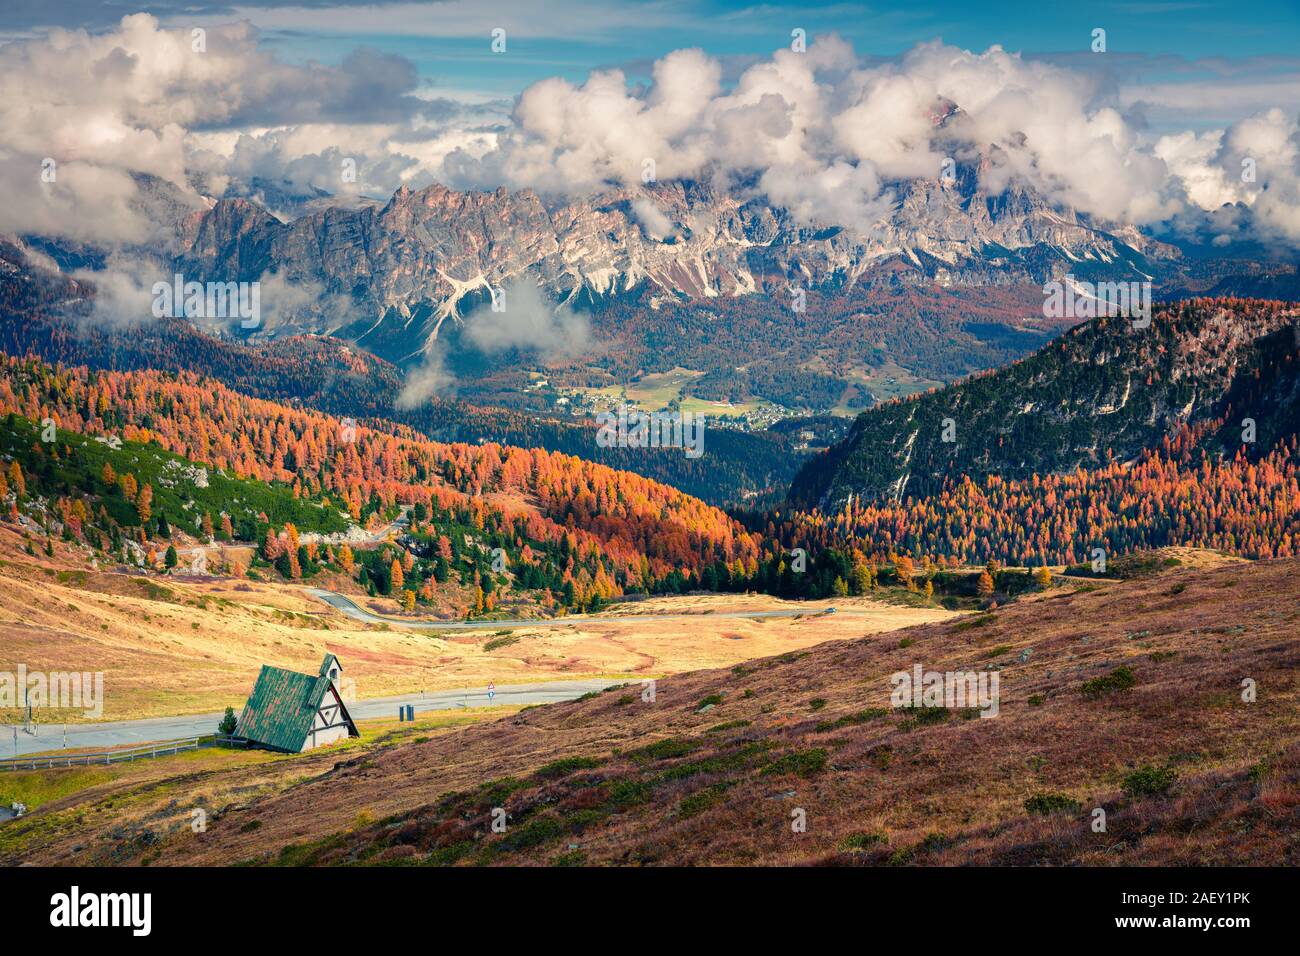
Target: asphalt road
x: 356, y: 612
x: 101, y: 736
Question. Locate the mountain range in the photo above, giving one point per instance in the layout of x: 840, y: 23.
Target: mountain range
x: 746, y: 304
x: 419, y: 259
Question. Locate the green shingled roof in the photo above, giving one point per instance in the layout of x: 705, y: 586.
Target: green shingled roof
x: 280, y: 711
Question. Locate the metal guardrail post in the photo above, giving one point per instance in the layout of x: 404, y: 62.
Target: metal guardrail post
x: 145, y: 751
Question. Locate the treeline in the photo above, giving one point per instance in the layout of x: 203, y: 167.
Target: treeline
x: 645, y: 529
x: 1178, y: 494
x: 328, y: 375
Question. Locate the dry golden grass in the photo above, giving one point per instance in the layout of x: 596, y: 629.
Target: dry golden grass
x: 1199, y: 557
x: 158, y: 797
x: 778, y: 735
x: 177, y: 645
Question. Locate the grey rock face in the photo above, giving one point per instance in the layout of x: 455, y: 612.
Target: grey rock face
x: 407, y: 267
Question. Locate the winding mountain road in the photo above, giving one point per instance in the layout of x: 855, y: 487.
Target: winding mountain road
x: 109, y: 734
x: 358, y: 613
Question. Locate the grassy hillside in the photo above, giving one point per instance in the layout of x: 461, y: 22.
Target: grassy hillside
x: 1121, y: 696
x: 185, y: 643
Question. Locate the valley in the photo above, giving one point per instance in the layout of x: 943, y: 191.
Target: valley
x: 193, y: 643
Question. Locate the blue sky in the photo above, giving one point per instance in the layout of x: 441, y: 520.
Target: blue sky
x: 1243, y: 55
x: 448, y: 38
x: 1156, y: 40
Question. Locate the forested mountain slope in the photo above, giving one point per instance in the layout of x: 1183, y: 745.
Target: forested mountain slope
x: 1102, y: 392
x: 326, y: 373
x: 633, y: 531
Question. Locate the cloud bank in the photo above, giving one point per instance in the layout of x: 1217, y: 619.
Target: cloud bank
x: 85, y: 118
x: 825, y: 136
x: 824, y: 133
x: 523, y: 319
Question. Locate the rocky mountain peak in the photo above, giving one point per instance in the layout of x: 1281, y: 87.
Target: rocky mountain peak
x: 425, y: 251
